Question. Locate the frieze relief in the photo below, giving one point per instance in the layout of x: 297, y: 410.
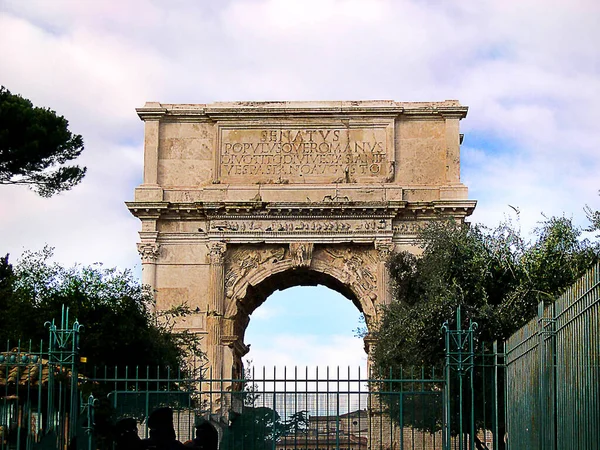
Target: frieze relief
x: 299, y: 226
x: 411, y: 227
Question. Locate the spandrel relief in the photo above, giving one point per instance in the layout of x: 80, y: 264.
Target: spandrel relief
x: 357, y: 264
x: 242, y: 260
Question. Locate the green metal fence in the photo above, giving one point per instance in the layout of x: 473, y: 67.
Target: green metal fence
x: 39, y: 391
x: 45, y: 403
x: 473, y: 406
x: 545, y: 384
x: 287, y: 409
x: 553, y: 373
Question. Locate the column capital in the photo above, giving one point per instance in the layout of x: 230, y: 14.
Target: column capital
x: 369, y: 343
x: 384, y: 248
x: 216, y: 252
x: 149, y: 251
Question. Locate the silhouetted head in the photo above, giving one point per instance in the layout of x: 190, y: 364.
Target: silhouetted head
x: 127, y: 425
x: 126, y: 434
x: 161, y: 418
x: 160, y: 423
x: 207, y: 436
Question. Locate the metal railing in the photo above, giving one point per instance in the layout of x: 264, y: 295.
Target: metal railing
x: 289, y: 409
x: 39, y: 390
x: 553, y: 373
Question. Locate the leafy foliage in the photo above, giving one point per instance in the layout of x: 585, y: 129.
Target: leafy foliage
x: 594, y: 218
x: 35, y: 143
x: 114, y: 309
x: 259, y: 427
x: 496, y: 276
x: 255, y: 427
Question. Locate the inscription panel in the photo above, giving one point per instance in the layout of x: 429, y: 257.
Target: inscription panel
x: 313, y: 154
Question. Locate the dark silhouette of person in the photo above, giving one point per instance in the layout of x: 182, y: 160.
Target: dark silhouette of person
x: 127, y: 437
x: 48, y: 441
x: 207, y: 437
x: 162, y: 433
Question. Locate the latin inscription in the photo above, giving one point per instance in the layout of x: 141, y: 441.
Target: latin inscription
x: 284, y: 155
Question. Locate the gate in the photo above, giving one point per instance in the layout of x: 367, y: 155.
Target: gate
x: 39, y: 392
x: 289, y: 409
x: 456, y: 408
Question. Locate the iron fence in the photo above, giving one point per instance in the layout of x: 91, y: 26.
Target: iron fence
x: 288, y: 409
x: 39, y: 391
x: 553, y: 373
x: 45, y: 402
x: 546, y: 384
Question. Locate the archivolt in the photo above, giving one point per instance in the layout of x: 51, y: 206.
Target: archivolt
x: 260, y: 282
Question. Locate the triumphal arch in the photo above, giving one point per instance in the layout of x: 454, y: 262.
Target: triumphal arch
x: 241, y: 199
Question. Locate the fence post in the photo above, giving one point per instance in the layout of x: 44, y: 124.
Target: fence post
x: 88, y: 409
x: 460, y: 357
x: 63, y: 350
x: 547, y: 394
x: 446, y: 435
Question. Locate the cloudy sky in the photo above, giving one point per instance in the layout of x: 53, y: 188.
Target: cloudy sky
x: 529, y: 70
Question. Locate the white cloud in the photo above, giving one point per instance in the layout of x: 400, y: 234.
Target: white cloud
x: 528, y: 70
x: 266, y: 312
x: 309, y: 351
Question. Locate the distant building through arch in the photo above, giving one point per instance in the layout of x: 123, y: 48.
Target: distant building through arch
x: 240, y: 199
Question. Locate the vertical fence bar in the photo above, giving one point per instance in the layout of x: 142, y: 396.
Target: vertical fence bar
x: 446, y: 435
x: 495, y: 416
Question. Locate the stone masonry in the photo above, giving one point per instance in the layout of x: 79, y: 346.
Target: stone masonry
x: 241, y: 199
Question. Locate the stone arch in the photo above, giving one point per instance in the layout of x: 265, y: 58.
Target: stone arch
x: 226, y: 215
x: 335, y: 278
x: 254, y: 272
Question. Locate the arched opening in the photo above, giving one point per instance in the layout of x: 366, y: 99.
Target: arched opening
x: 253, y: 273
x: 323, y: 310
x: 305, y: 327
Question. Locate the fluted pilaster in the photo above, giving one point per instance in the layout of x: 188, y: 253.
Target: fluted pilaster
x: 384, y: 249
x: 216, y: 306
x: 149, y: 253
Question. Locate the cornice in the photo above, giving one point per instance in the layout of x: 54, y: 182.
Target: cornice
x: 462, y: 207
x: 151, y: 111
x: 456, y: 205
x: 293, y: 210
x: 147, y: 210
x: 298, y: 110
x: 264, y: 209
